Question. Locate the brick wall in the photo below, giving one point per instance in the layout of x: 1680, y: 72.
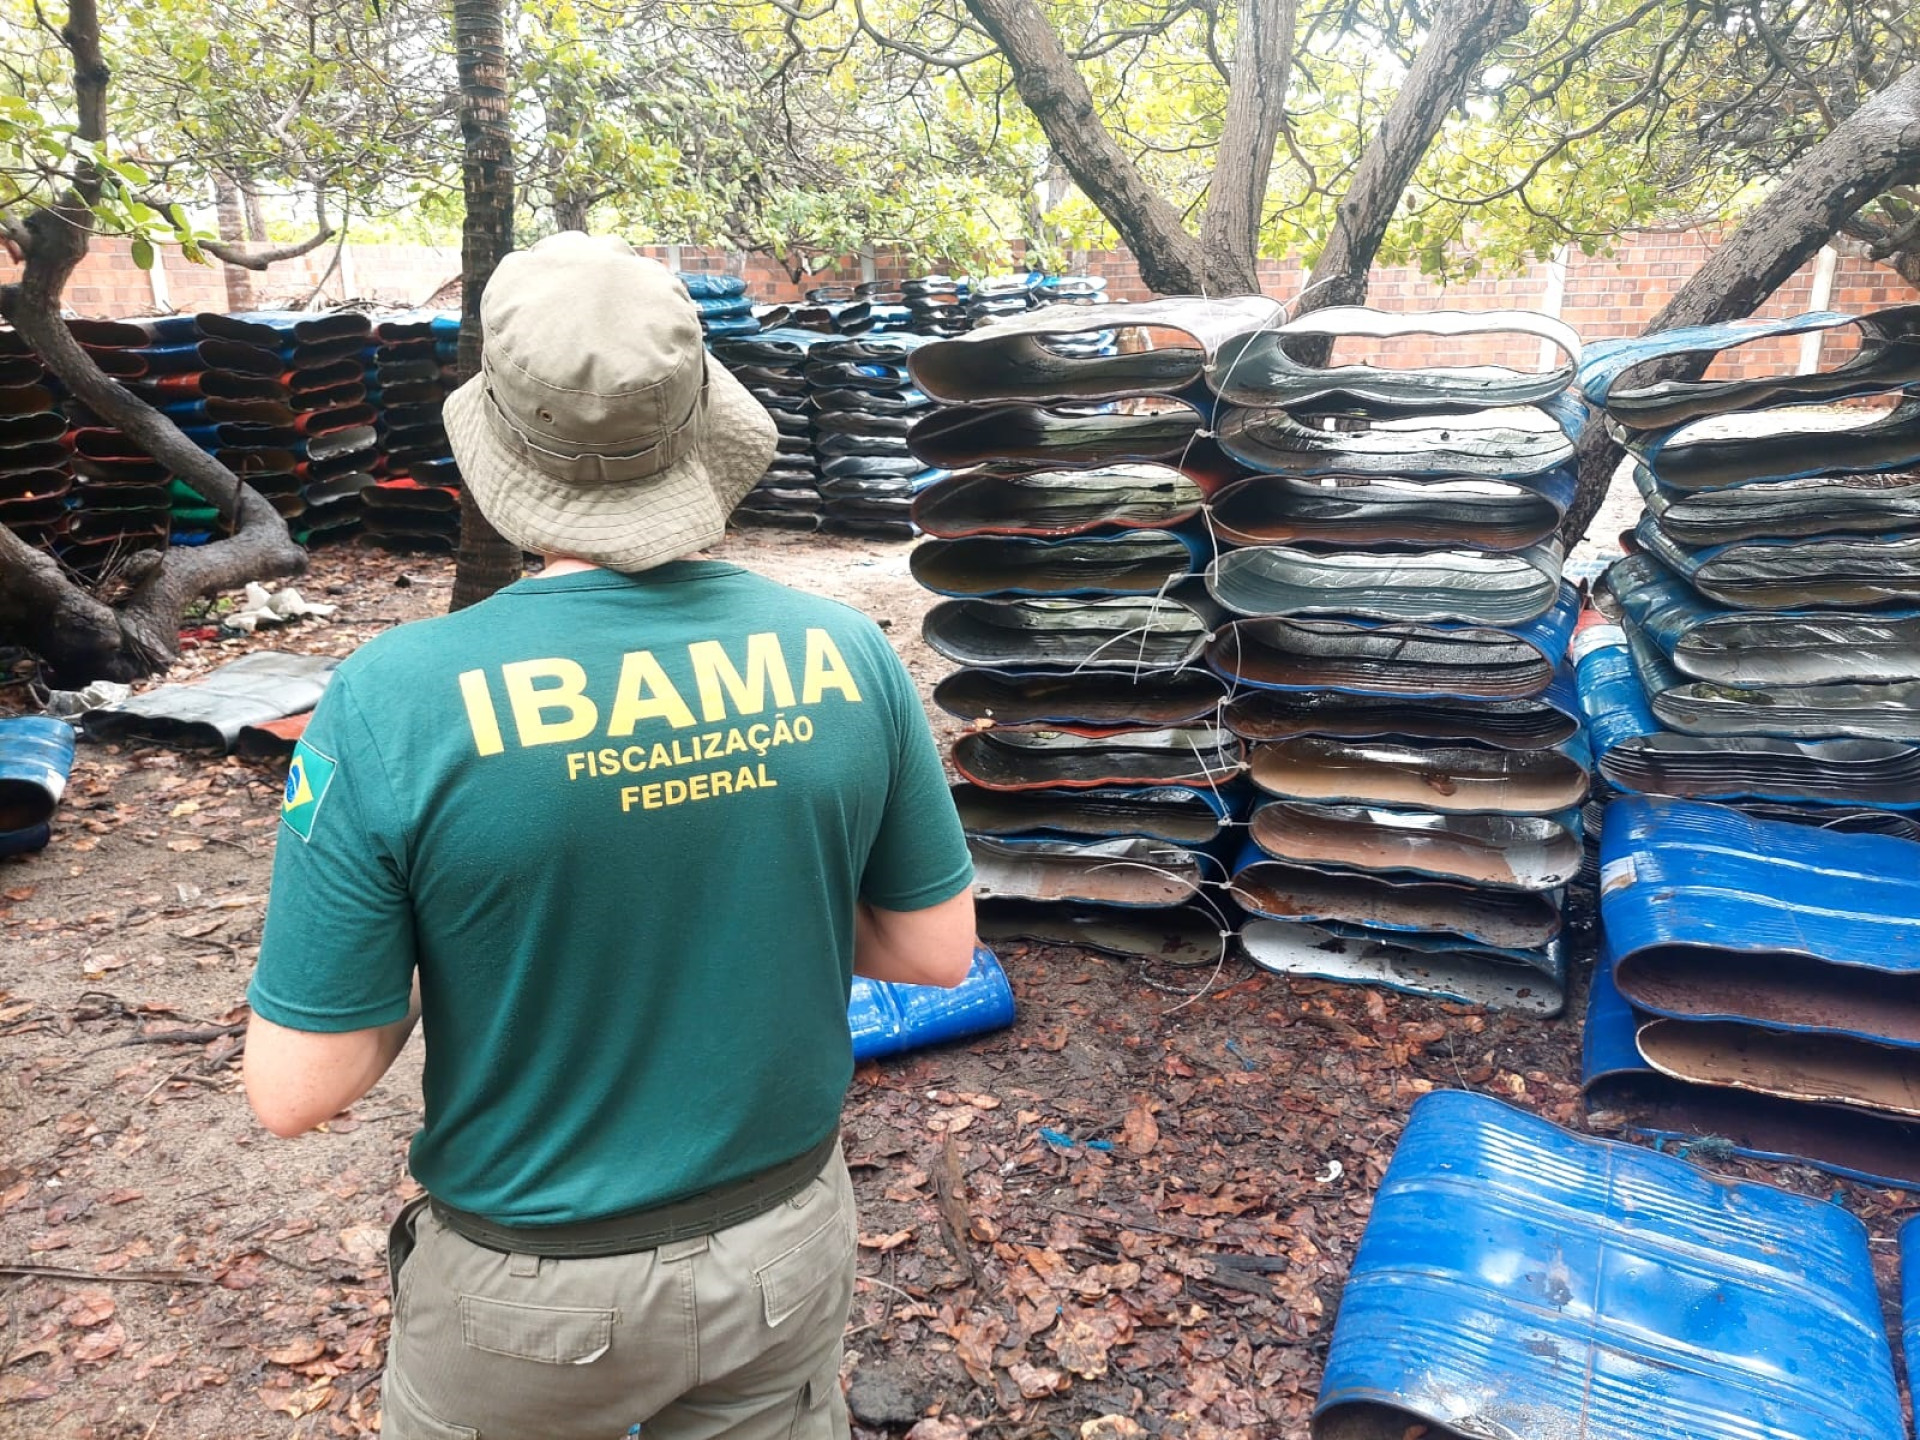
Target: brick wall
x: 1601, y: 297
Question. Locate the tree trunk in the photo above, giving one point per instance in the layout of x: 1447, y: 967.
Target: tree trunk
x: 1457, y: 45
x: 486, y: 562
x: 81, y: 637
x: 1875, y: 148
x: 1243, y: 163
x: 1170, y: 258
x: 232, y: 214
x: 256, y: 221
x: 570, y: 210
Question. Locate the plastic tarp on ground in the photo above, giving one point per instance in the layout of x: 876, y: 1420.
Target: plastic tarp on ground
x: 1518, y: 1282
x: 210, y: 713
x: 888, y: 1018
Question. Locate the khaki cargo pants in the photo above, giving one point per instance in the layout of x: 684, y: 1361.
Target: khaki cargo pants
x: 736, y: 1334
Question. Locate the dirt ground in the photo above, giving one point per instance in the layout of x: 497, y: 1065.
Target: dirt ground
x: 169, y: 1270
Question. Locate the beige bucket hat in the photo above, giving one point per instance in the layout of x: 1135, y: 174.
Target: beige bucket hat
x: 598, y: 427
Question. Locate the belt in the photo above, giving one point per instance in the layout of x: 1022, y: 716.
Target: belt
x: 704, y: 1214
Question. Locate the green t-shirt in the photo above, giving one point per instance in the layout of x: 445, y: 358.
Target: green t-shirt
x: 620, y: 823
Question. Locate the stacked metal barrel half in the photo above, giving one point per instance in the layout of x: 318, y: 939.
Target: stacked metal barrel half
x: 1230, y: 586
x: 864, y: 403
x: 1767, y: 651
x: 409, y: 368
x: 773, y: 366
x: 1764, y: 654
x: 36, y: 478
x: 1398, y: 652
x: 333, y: 438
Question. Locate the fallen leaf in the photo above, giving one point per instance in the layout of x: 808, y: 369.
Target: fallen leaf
x: 980, y: 1102
x: 1111, y: 1427
x: 884, y: 1243
x: 1035, y: 1382
x: 942, y: 1427
x: 298, y: 1352
x: 186, y: 847
x: 1140, y: 1133
x: 19, y: 892
x: 89, y: 1308
x: 98, y: 1345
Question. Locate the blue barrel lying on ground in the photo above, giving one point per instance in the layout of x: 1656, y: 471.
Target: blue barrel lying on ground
x: 36, y: 753
x: 1517, y: 1280
x: 888, y: 1019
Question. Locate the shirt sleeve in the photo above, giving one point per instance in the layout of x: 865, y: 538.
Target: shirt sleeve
x: 338, y: 950
x: 920, y: 856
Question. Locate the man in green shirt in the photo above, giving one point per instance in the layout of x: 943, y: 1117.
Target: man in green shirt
x: 621, y: 835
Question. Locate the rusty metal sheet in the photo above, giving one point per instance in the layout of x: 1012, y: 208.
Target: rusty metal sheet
x: 1888, y: 358
x: 1018, y: 357
x: 1815, y: 1068
x: 1540, y: 723
x: 1514, y: 921
x: 272, y: 739
x: 1255, y: 368
x: 1179, y: 814
x: 1449, y: 968
x: 1374, y: 512
x: 1138, y: 562
x: 1856, y: 504
x: 1029, y: 697
x: 1851, y: 572
x: 1129, y: 871
x: 1494, y: 444
x: 209, y: 713
x: 1517, y: 1281
x: 1636, y: 753
x: 1028, y: 760
x: 1501, y: 852
x: 1131, y: 636
x: 1747, y: 650
x: 1431, y: 587
x: 1616, y: 1077
x: 1712, y: 454
x: 1188, y: 936
x: 969, y: 435
x: 1801, y: 993
x: 1455, y: 779
x: 1409, y: 660
x: 992, y: 501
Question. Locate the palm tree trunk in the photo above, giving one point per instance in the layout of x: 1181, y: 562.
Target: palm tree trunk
x: 485, y: 562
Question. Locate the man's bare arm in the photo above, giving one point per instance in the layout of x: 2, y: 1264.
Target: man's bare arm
x: 933, y: 946
x: 297, y: 1079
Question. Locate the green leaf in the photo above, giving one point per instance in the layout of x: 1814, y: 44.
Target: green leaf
x: 143, y: 255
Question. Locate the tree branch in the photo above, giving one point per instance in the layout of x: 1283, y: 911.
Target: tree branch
x: 1171, y: 259
x: 1463, y: 33
x: 1243, y: 164
x: 1871, y: 151
x: 261, y: 259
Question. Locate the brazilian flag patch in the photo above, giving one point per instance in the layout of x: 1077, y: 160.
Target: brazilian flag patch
x: 307, y: 780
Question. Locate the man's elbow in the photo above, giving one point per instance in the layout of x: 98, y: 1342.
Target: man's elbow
x: 279, y: 1117
x: 952, y: 965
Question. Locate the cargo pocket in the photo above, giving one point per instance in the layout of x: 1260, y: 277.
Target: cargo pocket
x: 791, y: 1279
x: 549, y: 1334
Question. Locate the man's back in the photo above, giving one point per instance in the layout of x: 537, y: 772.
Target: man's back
x: 621, y: 823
